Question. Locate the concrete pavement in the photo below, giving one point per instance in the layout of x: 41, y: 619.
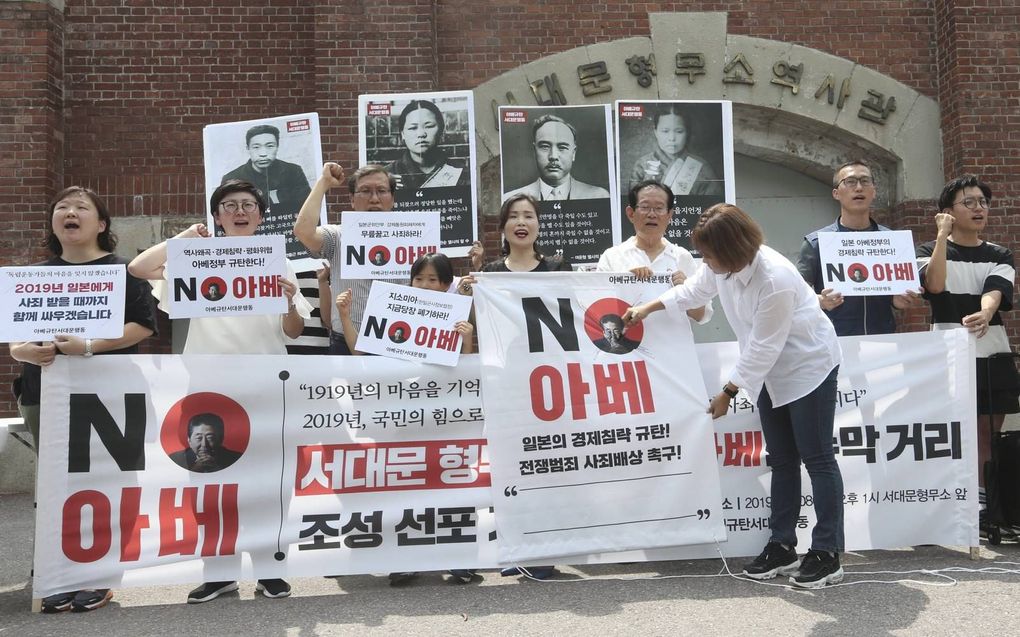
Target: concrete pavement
x: 655, y: 598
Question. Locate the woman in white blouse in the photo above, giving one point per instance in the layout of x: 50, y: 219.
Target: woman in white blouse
x: 789, y: 357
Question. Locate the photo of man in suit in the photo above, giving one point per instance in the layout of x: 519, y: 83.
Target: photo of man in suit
x: 555, y: 144
x: 613, y: 341
x: 205, y: 452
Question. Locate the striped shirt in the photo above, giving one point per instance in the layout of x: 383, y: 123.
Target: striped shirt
x: 314, y: 337
x: 971, y: 271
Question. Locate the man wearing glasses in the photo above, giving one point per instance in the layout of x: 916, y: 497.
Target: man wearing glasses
x: 238, y: 207
x: 648, y: 252
x: 968, y: 282
x: 853, y: 187
x: 371, y: 188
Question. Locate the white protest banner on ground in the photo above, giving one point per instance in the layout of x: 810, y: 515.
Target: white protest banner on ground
x: 413, y: 324
x: 600, y: 440
x: 80, y: 300
x: 375, y: 246
x: 226, y: 276
x: 378, y: 464
x: 326, y: 465
x: 905, y: 432
x: 868, y: 263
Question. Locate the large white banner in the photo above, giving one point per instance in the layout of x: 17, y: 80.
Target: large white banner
x: 205, y: 468
x: 600, y: 439
x: 341, y: 465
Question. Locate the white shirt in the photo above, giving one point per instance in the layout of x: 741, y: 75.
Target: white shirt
x: 627, y: 256
x: 258, y: 334
x: 562, y: 191
x: 786, y: 342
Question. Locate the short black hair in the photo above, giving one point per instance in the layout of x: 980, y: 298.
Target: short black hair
x: 956, y: 185
x: 106, y: 239
x: 208, y: 419
x: 440, y: 263
x: 639, y: 186
x: 545, y: 119
x: 261, y: 129
x: 235, y: 185
x: 852, y: 162
x: 415, y: 105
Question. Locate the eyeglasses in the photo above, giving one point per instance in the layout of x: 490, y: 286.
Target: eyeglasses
x: 368, y: 193
x: 648, y: 210
x: 973, y: 203
x: 851, y: 182
x: 231, y: 207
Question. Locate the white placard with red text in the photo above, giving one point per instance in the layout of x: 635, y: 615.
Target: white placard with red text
x: 377, y: 246
x: 226, y: 276
x: 600, y: 440
x: 413, y: 324
x: 81, y: 300
x: 868, y: 263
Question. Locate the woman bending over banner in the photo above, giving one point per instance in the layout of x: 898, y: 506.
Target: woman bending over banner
x: 80, y: 234
x: 238, y: 207
x: 423, y: 163
x: 670, y: 163
x: 789, y: 358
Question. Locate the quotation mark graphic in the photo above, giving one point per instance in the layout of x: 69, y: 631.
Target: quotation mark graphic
x: 510, y: 491
x: 704, y: 514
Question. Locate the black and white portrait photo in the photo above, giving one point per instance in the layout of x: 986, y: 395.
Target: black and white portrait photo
x: 687, y: 146
x: 281, y: 156
x: 562, y: 157
x: 426, y: 142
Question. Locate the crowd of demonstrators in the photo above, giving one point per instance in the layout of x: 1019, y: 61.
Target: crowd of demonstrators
x: 237, y: 207
x: 786, y: 322
x: 789, y: 358
x: 853, y: 186
x: 969, y: 281
x: 79, y: 233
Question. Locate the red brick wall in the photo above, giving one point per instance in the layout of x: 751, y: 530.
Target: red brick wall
x: 114, y: 94
x: 31, y: 150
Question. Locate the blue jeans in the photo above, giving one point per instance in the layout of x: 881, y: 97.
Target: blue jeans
x: 337, y: 345
x: 802, y: 431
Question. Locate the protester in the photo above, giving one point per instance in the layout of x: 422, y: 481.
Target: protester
x: 80, y: 233
x: 237, y: 207
x: 518, y: 222
x: 371, y: 188
x: 969, y: 282
x: 648, y: 252
x: 431, y: 271
x: 789, y: 358
x: 853, y: 186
